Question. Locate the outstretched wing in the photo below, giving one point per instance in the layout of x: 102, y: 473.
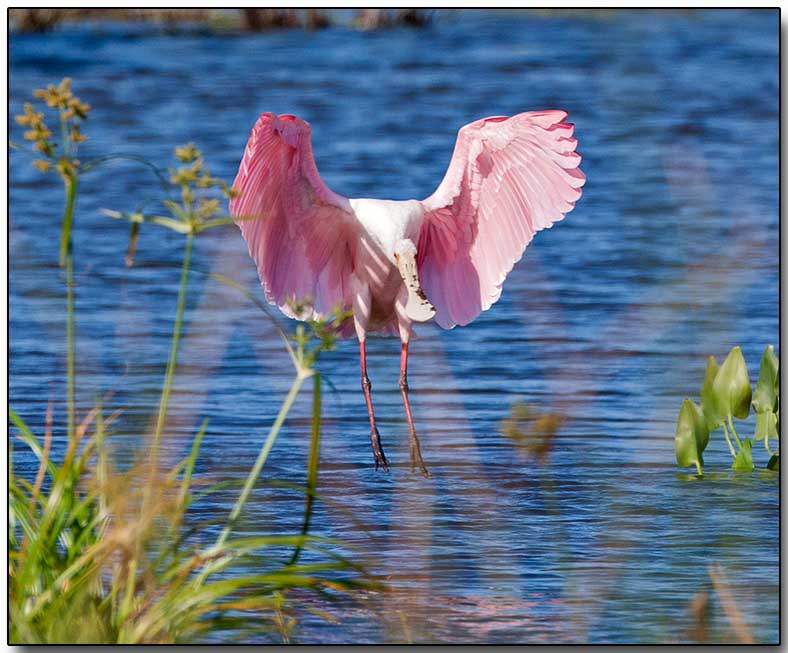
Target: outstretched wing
x: 299, y: 232
x: 508, y: 178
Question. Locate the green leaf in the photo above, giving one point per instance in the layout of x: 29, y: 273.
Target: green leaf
x: 692, y: 435
x: 765, y: 425
x: 710, y: 409
x: 27, y: 436
x: 191, y: 459
x: 768, y: 386
x: 175, y: 225
x: 731, y: 388
x: 743, y: 460
x: 176, y: 209
x: 215, y: 223
x: 774, y: 463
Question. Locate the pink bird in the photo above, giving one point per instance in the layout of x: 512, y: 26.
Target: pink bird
x: 394, y: 263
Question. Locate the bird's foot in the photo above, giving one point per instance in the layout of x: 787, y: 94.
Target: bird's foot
x: 415, y: 456
x: 377, y: 450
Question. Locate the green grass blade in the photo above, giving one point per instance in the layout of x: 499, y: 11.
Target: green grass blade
x: 251, y: 479
x: 191, y: 460
x: 27, y: 436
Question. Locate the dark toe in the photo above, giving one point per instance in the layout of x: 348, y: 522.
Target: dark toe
x: 380, y: 461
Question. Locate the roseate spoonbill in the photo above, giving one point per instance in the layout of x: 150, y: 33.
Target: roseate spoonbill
x: 399, y: 262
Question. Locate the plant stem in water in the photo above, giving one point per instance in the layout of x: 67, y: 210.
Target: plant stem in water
x: 728, y: 439
x: 68, y: 218
x: 251, y: 479
x: 312, y: 466
x: 70, y: 354
x: 733, y: 430
x: 67, y: 259
x: 176, y: 336
x: 766, y: 444
x: 102, y: 474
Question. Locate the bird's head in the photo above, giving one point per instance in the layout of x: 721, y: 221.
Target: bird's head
x: 291, y: 127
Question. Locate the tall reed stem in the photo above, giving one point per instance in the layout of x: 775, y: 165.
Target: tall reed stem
x: 312, y: 466
x: 176, y: 336
x: 67, y: 259
x: 68, y: 218
x: 251, y: 479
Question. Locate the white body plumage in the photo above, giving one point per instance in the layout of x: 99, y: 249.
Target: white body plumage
x: 396, y: 262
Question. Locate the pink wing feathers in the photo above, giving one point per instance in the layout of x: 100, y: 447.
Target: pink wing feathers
x: 299, y: 232
x: 508, y: 178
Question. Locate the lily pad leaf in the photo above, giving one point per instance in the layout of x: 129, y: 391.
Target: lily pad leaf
x: 731, y: 389
x: 743, y: 460
x: 765, y: 425
x: 710, y: 408
x: 774, y: 463
x: 692, y: 435
x: 768, y: 386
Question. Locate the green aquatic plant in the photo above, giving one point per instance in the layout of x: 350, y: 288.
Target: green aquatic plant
x: 60, y: 156
x: 195, y: 211
x: 726, y: 394
x: 103, y: 556
x: 97, y: 555
x: 766, y: 403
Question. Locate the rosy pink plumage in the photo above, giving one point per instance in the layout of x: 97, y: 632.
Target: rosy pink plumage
x: 394, y: 263
x: 508, y: 178
x: 299, y: 232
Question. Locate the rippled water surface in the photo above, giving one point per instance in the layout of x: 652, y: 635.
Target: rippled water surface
x: 670, y: 255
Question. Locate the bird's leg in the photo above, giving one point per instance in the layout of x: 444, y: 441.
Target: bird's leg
x: 366, y: 386
x: 362, y: 309
x: 415, y: 448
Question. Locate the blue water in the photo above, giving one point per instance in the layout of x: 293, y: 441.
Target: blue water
x: 670, y: 255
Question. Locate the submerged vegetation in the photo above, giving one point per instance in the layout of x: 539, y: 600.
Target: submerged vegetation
x: 104, y: 555
x: 532, y: 431
x: 726, y: 393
